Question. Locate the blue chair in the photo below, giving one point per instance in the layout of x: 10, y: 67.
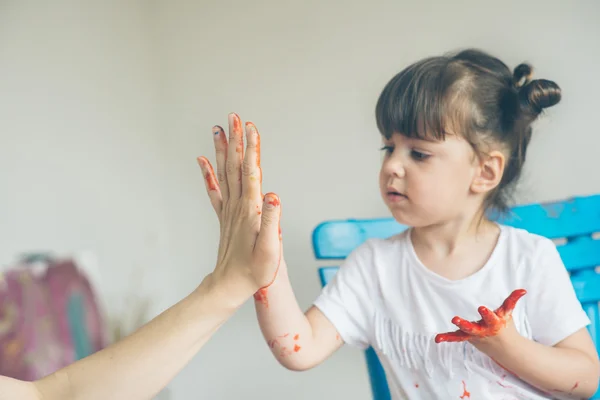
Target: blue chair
x: 573, y: 224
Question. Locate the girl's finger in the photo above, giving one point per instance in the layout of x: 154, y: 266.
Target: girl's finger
x: 268, y: 247
x: 457, y: 336
x: 469, y: 327
x: 488, y: 316
x: 509, y: 304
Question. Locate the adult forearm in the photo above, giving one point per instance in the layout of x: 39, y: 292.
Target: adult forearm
x: 142, y: 364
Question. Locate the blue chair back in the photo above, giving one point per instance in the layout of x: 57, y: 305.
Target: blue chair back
x: 573, y: 224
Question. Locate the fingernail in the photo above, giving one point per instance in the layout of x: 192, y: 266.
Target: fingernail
x: 201, y: 161
x: 271, y: 200
x: 234, y: 120
x: 251, y: 127
x: 216, y: 129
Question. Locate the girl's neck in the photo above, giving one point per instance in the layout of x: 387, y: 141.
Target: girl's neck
x: 457, y: 249
x: 450, y: 237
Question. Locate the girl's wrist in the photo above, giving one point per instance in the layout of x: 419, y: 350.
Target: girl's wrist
x: 500, y: 345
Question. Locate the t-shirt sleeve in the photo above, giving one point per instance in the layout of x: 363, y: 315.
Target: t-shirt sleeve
x: 347, y: 300
x: 553, y: 310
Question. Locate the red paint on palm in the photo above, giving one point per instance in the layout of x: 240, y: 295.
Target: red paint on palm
x: 490, y: 324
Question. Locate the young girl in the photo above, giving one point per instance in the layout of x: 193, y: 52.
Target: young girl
x: 456, y: 130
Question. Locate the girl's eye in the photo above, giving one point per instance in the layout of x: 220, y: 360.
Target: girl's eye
x: 417, y: 155
x: 388, y: 149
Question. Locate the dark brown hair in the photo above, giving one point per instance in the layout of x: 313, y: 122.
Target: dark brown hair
x: 472, y: 94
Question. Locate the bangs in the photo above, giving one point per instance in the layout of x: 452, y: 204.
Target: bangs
x: 417, y: 102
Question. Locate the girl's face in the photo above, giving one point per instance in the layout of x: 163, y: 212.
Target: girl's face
x: 428, y: 182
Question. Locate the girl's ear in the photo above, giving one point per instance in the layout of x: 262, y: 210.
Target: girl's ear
x: 489, y: 172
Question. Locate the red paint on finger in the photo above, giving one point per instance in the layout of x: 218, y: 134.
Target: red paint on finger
x: 220, y: 135
x: 296, y: 337
x: 211, y: 181
x: 297, y: 348
x: 261, y: 297
x: 490, y: 325
x: 457, y: 336
x: 509, y: 304
x: 223, y: 138
x: 465, y: 394
x: 209, y: 174
x: 237, y: 123
x: 273, y: 200
x: 258, y: 151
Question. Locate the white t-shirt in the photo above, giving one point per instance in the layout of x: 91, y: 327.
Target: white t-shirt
x: 384, y: 297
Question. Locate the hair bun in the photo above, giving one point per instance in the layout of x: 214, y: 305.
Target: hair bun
x: 539, y: 94
x: 522, y: 75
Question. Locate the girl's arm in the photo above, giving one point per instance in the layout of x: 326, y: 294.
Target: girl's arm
x: 298, y: 341
x: 569, y: 369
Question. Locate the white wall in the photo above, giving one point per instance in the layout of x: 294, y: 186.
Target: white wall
x: 81, y: 167
x: 144, y: 82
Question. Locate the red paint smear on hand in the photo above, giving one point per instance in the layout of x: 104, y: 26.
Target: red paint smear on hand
x: 237, y: 124
x: 257, y: 144
x: 209, y: 176
x: 489, y: 325
x: 465, y: 393
x: 297, y: 348
x: 261, y: 297
x: 296, y: 337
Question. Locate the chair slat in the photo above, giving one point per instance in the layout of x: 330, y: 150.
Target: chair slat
x: 569, y: 218
x: 336, y: 239
x: 587, y: 286
x: 581, y: 253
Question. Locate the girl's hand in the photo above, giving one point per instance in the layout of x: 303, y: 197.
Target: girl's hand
x: 491, y: 324
x: 250, y: 245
